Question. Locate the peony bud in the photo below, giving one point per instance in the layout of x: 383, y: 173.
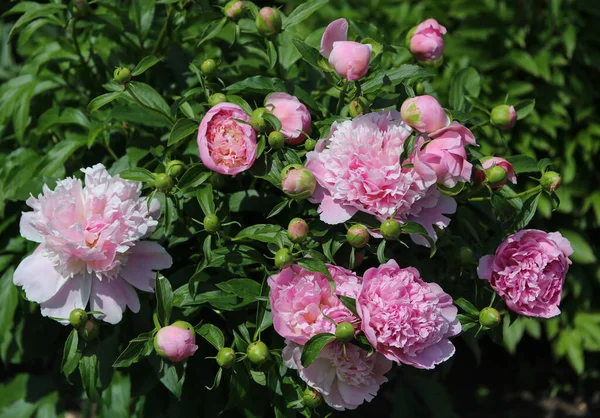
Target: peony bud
x: 122, y: 75
x: 298, y: 182
x: 176, y: 342
x: 424, y: 113
x: 163, y: 182
x: 311, y: 398
x: 215, y: 99
x: 310, y: 144
x: 504, y: 117
x: 390, y: 229
x: 276, y: 140
x: 268, y: 21
x: 357, y: 236
x: 90, y: 331
x: 209, y: 67
x: 294, y: 116
x: 550, y: 181
x: 420, y: 89
x: 211, y: 223
x: 489, y: 317
x: 344, y: 332
x: 175, y: 168
x: 426, y: 43
x: 466, y: 256
x: 257, y: 121
x: 226, y: 357
x: 234, y: 9
x: 489, y: 162
x: 496, y: 176
x: 297, y: 230
x: 283, y: 258
x: 358, y: 107
x: 77, y: 317
x: 350, y: 59
x: 258, y: 353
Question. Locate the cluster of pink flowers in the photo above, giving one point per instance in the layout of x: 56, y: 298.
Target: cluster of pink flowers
x: 405, y: 319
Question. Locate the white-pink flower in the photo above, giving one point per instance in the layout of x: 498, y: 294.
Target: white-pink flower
x: 90, y: 246
x: 345, y: 378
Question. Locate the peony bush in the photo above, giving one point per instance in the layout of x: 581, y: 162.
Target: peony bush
x: 337, y: 225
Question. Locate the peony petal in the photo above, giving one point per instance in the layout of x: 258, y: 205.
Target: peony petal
x: 111, y: 296
x: 28, y: 230
x: 335, y: 31
x: 74, y: 294
x: 144, y: 259
x: 38, y: 277
x: 484, y: 270
x: 333, y: 213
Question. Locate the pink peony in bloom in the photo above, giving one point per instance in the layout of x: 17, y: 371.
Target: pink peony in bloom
x: 90, y: 248
x: 226, y: 145
x: 404, y: 318
x: 446, y: 154
x: 424, y: 113
x: 176, y: 342
x: 346, y: 379
x: 350, y: 59
x: 299, y: 298
x: 528, y: 271
x: 358, y: 168
x: 293, y: 115
x: 425, y: 41
x: 497, y: 161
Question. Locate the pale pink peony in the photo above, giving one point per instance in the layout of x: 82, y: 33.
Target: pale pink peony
x: 299, y: 298
x: 350, y: 59
x: 293, y: 115
x: 426, y: 42
x: 176, y: 342
x: 226, y: 145
x: 528, y: 271
x: 358, y: 168
x: 345, y: 378
x: 90, y: 248
x: 404, y: 318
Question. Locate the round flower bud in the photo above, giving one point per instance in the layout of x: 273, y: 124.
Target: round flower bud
x: 390, y: 229
x: 176, y: 342
x: 344, y: 332
x: 358, y: 107
x: 163, y: 182
x: 90, y: 330
x: 234, y: 9
x: 298, y: 182
x: 226, y: 357
x: 424, y: 113
x: 310, y: 144
x: 268, y: 21
x: 276, y: 140
x: 257, y: 120
x: 311, y: 398
x: 550, y: 181
x: 496, y: 175
x: 257, y: 352
x: 425, y: 41
x: 215, y: 99
x: 77, y: 317
x: 297, y: 230
x: 420, y: 89
x: 211, y: 223
x: 175, y: 168
x: 209, y: 67
x: 357, y: 236
x: 122, y: 75
x: 466, y: 256
x: 489, y: 317
x: 504, y: 117
x: 283, y: 258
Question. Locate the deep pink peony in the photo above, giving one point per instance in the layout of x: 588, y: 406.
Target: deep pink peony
x: 358, y: 168
x: 427, y: 43
x: 299, y: 298
x: 293, y: 115
x: 346, y: 379
x: 404, y: 318
x: 528, y: 271
x: 226, y: 145
x: 176, y: 342
x: 90, y: 248
x: 350, y: 59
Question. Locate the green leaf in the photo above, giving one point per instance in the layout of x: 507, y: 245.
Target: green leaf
x: 164, y: 299
x: 582, y: 251
x: 524, y: 164
x: 243, y: 288
x: 272, y: 120
x: 381, y: 252
x: 271, y: 54
x: 524, y: 108
x: 172, y: 377
x: 303, y: 12
x: 138, y: 347
x: 396, y: 76
x: 206, y: 199
x: 102, y: 100
x: 257, y: 84
x: 193, y: 177
x: 466, y: 82
x: 349, y: 303
x: 232, y: 98
x: 260, y: 232
x: 9, y: 299
x: 145, y: 64
x: 181, y: 130
x: 512, y: 333
x: 30, y: 15
x: 150, y: 97
x: 467, y: 306
x: 88, y: 368
x: 314, y: 265
x: 309, y: 54
x: 71, y: 354
x: 313, y: 347
x: 142, y: 14
x: 527, y: 212
x: 137, y: 174
x: 212, y: 334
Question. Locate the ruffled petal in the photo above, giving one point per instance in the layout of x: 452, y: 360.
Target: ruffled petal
x: 38, y: 277
x: 74, y: 294
x: 111, y: 296
x: 144, y: 259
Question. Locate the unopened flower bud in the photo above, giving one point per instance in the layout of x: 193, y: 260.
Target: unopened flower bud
x: 550, y: 181
x: 209, y: 67
x: 258, y: 121
x: 311, y: 398
x: 310, y: 144
x: 215, y: 99
x: 163, y: 182
x: 211, y: 223
x: 276, y: 140
x: 283, y: 258
x: 358, y: 107
x: 175, y: 168
x: 77, y: 317
x: 420, y: 89
x: 297, y: 230
x: 176, y: 342
x: 504, y: 117
x: 390, y: 229
x: 90, y: 331
x: 424, y: 113
x: 258, y: 352
x: 268, y: 21
x: 489, y: 317
x: 357, y: 236
x: 234, y: 9
x: 226, y: 357
x: 122, y: 75
x: 344, y: 332
x: 426, y: 42
x: 496, y: 175
x: 297, y: 181
x: 466, y: 256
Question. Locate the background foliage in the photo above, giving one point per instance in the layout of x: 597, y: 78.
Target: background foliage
x: 53, y: 65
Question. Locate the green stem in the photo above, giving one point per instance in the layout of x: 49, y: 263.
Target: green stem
x: 162, y: 32
x: 525, y: 193
x: 110, y: 150
x: 340, y: 103
x: 138, y: 101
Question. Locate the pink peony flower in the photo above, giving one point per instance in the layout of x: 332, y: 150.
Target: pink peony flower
x: 226, y: 145
x: 299, y: 298
x: 493, y: 161
x: 404, y: 318
x: 426, y: 42
x: 528, y: 271
x: 176, y: 342
x: 346, y: 379
x: 446, y: 154
x: 424, y: 113
x: 293, y: 115
x: 358, y: 168
x: 350, y: 59
x: 90, y: 248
